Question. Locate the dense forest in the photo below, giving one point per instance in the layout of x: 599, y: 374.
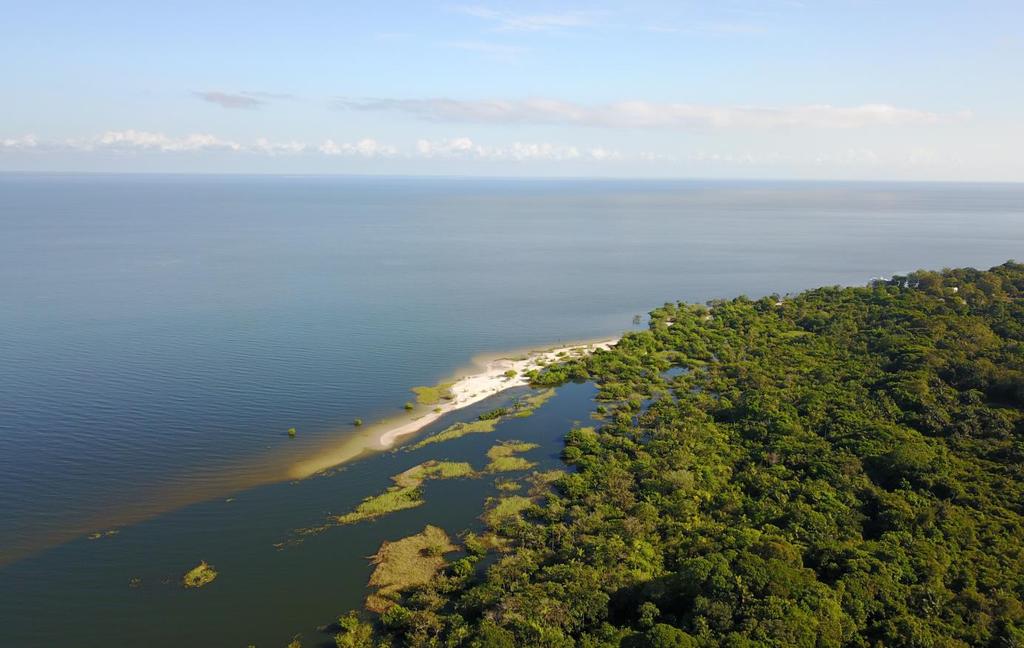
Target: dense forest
x: 843, y: 467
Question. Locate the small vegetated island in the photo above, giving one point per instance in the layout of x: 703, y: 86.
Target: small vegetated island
x: 844, y: 467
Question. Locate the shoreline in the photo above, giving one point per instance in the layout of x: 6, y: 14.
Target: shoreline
x: 488, y: 379
x: 479, y: 380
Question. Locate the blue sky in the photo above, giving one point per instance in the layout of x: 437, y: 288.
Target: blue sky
x: 852, y: 89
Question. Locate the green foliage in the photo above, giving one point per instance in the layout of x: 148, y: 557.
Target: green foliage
x: 357, y: 422
x: 843, y: 467
x: 493, y: 414
x: 199, y: 576
x: 503, y: 457
x: 406, y: 493
x: 355, y: 633
x: 456, y: 431
x: 291, y: 432
x: 432, y: 395
x: 488, y: 421
x: 404, y: 564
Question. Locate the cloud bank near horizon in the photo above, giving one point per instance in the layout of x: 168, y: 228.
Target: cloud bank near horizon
x: 457, y: 148
x: 645, y: 114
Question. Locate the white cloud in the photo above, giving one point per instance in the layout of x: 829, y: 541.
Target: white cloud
x: 133, y: 140
x: 263, y: 145
x: 22, y: 143
x: 245, y: 101
x: 366, y: 147
x: 511, y: 21
x: 643, y: 114
x: 465, y: 148
x: 457, y: 148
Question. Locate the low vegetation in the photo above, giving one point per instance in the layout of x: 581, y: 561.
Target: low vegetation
x: 406, y: 563
x: 503, y: 509
x: 503, y: 457
x: 456, y: 431
x: 406, y: 493
x: 199, y: 576
x: 432, y: 395
x: 487, y: 421
x: 496, y: 413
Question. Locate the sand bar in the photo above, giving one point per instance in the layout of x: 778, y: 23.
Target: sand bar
x: 488, y: 378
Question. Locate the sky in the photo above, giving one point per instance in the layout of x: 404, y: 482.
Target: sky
x: 774, y: 89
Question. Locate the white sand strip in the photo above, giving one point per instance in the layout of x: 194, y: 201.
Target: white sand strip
x: 465, y: 390
x: 491, y: 380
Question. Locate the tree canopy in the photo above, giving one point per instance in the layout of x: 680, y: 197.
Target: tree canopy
x: 843, y: 467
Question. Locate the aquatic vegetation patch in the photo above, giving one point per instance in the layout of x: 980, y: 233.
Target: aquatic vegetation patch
x: 505, y: 509
x: 507, y: 485
x: 533, y: 401
x: 521, y: 408
x: 503, y: 457
x: 432, y: 395
x: 199, y: 576
x: 493, y: 414
x: 407, y: 563
x: 406, y: 492
x: 456, y: 431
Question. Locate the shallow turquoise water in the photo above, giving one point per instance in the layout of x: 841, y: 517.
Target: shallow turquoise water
x: 159, y: 334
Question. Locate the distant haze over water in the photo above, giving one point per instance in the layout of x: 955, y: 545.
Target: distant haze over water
x: 159, y: 334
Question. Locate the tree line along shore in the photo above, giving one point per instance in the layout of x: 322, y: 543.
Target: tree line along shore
x: 842, y: 467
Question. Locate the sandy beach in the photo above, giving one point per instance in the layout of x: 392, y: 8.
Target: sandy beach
x: 491, y: 380
x: 488, y: 378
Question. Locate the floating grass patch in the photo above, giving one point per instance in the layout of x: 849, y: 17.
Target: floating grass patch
x: 493, y: 414
x: 432, y: 395
x: 507, y: 485
x: 406, y: 492
x: 199, y: 576
x: 505, y: 509
x: 502, y: 457
x: 521, y: 408
x: 526, y: 406
x: 407, y: 563
x: 457, y: 430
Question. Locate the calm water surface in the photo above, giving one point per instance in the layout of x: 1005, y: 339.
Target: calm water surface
x: 159, y: 334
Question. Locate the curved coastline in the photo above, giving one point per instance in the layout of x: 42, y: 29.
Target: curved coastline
x: 487, y: 378
x: 483, y: 378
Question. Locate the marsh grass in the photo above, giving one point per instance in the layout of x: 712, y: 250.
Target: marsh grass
x: 456, y: 431
x: 527, y: 406
x: 502, y: 457
x: 432, y: 395
x: 199, y: 576
x: 505, y: 509
x: 507, y: 485
x: 407, y: 563
x: 407, y: 492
